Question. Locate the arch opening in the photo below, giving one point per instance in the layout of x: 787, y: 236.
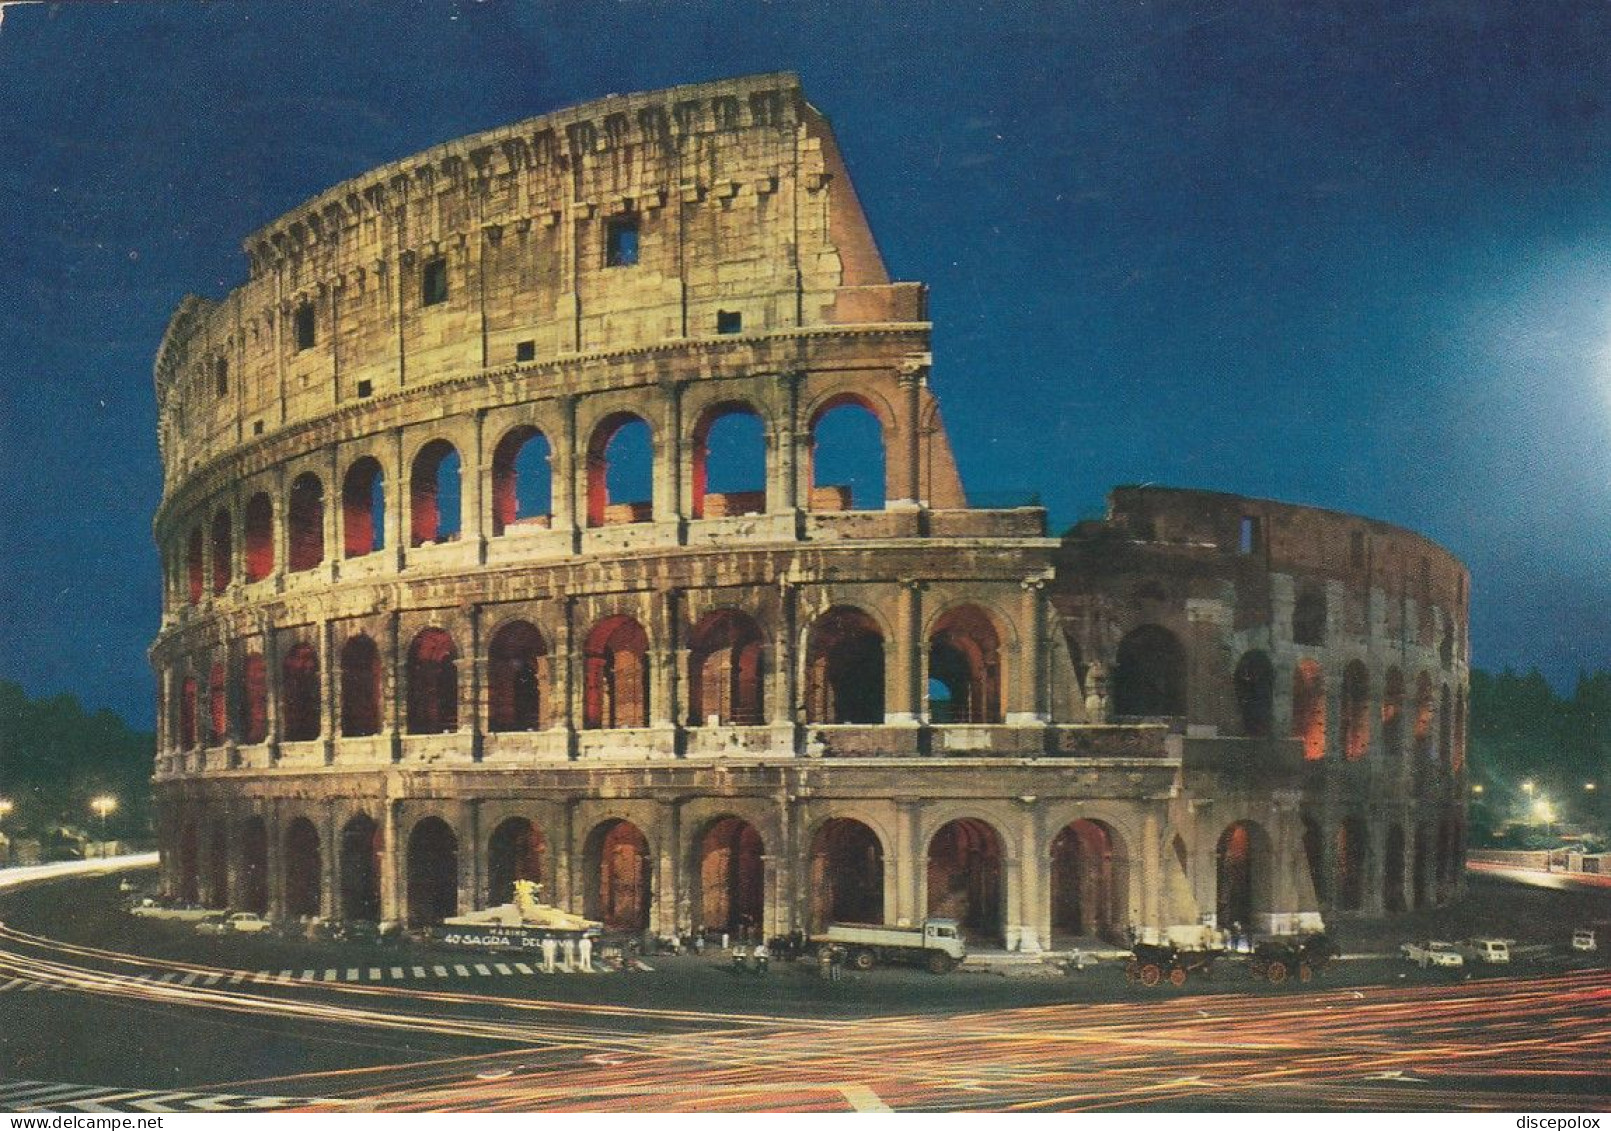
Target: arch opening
x: 254, y: 699
x: 1090, y: 882
x: 965, y: 877
x: 731, y: 894
x: 847, y: 457
x: 620, y: 471
x: 223, y: 548
x: 433, y: 683
x: 517, y: 676
x: 194, y: 575
x: 1255, y: 693
x: 1242, y: 874
x: 218, y: 866
x: 616, y: 688
x: 259, y: 523
x: 360, y: 687
x: 218, y: 705
x: 515, y: 851
x: 727, y: 671
x: 620, y: 875
x: 729, y: 462
x: 1393, y: 713
x: 190, y: 864
x: 965, y: 659
x: 299, y: 694
x: 302, y: 869
x: 1309, y: 709
x: 1351, y: 864
x: 305, y: 516
x: 254, y: 865
x: 433, y: 872
x: 363, y: 855
x: 522, y: 481
x: 1149, y: 677
x: 363, y: 508
x: 1355, y: 711
x: 845, y: 669
x: 1393, y: 871
x: 847, y: 874
x: 433, y: 495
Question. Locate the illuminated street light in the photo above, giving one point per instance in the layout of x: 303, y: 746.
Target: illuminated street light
x: 103, y: 805
x: 1528, y: 787
x: 6, y: 806
x: 1543, y: 811
x: 1477, y: 789
x: 1588, y: 786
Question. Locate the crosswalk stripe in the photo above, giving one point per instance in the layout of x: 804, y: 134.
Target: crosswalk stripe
x: 37, y: 1091
x: 330, y: 975
x: 523, y: 968
x: 307, y: 975
x: 419, y: 971
x: 11, y: 985
x: 501, y: 968
x: 236, y: 978
x: 397, y: 972
x: 33, y: 987
x: 374, y: 973
x: 189, y: 979
x: 441, y: 971
x: 169, y: 977
x: 483, y: 971
x: 461, y: 971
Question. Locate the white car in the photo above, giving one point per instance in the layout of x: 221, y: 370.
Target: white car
x: 246, y: 923
x: 216, y: 923
x: 1487, y: 951
x: 1433, y: 953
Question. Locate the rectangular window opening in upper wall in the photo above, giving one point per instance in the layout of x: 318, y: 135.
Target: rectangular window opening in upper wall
x: 525, y: 351
x: 729, y: 322
x: 221, y: 376
x: 621, y: 242
x: 1247, y: 538
x: 304, y: 327
x: 434, y: 281
x: 1356, y: 549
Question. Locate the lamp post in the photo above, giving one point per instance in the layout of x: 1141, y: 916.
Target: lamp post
x: 103, y: 805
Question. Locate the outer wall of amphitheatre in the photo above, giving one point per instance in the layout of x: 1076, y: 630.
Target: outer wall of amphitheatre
x: 504, y: 538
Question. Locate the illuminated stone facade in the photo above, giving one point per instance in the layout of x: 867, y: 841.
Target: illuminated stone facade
x: 423, y: 634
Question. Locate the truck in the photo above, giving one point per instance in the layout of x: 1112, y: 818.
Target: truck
x: 936, y: 944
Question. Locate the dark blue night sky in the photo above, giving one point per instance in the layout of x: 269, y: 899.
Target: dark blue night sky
x: 1356, y: 256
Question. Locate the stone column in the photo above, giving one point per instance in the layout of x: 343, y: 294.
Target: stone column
x: 569, y: 714
x: 275, y: 833
x: 904, y: 459
x: 1149, y: 856
x: 568, y: 465
x: 468, y: 829
x: 398, y: 511
x: 785, y: 661
x: 1034, y: 868
x: 903, y: 676
x: 330, y: 861
x: 394, y: 864
x: 1026, y: 688
x: 669, y: 453
x: 667, y: 844
x: 329, y: 690
x: 904, y: 870
x: 392, y: 704
x: 475, y: 523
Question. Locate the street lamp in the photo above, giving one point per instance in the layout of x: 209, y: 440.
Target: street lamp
x: 6, y: 806
x: 103, y: 805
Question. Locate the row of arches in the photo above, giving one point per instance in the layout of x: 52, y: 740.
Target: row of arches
x: 727, y: 679
x: 726, y: 864
x: 1149, y: 680
x: 728, y: 477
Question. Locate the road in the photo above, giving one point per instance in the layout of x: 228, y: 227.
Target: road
x: 118, y: 1027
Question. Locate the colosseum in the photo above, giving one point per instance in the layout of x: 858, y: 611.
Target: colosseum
x: 503, y: 538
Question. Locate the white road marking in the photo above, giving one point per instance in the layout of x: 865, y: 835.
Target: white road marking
x: 862, y: 1098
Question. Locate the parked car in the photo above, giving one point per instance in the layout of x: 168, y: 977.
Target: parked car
x: 1486, y: 951
x: 215, y: 923
x: 247, y: 923
x: 1432, y: 953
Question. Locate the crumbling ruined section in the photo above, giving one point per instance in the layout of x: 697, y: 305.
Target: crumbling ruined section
x: 502, y: 542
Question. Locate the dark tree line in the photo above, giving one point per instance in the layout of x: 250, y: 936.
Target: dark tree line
x: 1522, y: 731
x: 55, y: 758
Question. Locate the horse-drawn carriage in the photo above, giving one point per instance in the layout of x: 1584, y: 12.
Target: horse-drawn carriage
x: 1172, y: 955
x: 1301, y: 956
